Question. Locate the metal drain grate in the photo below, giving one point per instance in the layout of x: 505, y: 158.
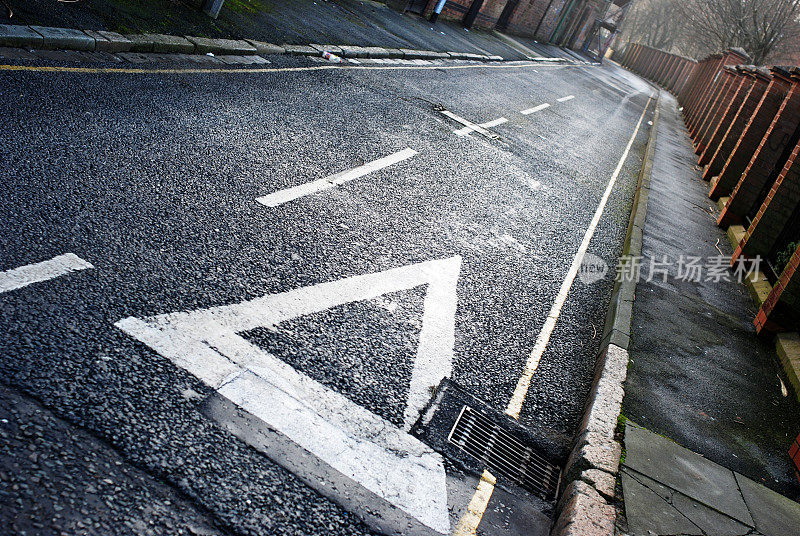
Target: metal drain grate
x: 479, y: 437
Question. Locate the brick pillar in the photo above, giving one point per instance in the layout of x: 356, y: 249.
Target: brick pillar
x: 669, y: 76
x: 663, y: 61
x: 665, y: 74
x: 759, y: 82
x: 697, y: 85
x: 634, y: 64
x: 781, y: 310
x: 689, y: 87
x: 729, y: 57
x: 662, y: 67
x: 646, y: 62
x: 706, y: 87
x: 720, y: 94
x: 775, y: 212
x: 741, y: 86
x: 778, y: 124
x: 684, y: 75
x: 700, y: 107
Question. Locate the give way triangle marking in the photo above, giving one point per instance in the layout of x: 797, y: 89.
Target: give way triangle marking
x: 361, y: 446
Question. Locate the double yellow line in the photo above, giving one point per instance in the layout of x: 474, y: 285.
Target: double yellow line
x: 253, y: 70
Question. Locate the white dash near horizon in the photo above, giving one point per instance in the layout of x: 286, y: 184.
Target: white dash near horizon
x: 565, y: 99
x: 489, y: 124
x: 41, y: 271
x: 290, y: 194
x: 535, y: 109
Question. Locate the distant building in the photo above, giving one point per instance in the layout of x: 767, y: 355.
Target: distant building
x: 577, y: 24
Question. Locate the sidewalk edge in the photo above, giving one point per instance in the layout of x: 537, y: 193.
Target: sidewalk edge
x: 35, y: 37
x: 589, y: 480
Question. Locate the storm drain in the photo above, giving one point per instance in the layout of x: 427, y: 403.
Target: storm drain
x: 502, y: 453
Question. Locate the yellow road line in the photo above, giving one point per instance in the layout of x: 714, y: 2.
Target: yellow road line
x: 251, y: 70
x: 523, y: 384
x: 468, y: 524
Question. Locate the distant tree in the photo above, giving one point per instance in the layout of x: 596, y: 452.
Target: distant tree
x: 763, y: 28
x: 653, y: 23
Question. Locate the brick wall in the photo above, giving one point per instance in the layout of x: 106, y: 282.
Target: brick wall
x: 764, y: 116
x: 738, y: 130
x: 533, y: 15
x: 766, y: 161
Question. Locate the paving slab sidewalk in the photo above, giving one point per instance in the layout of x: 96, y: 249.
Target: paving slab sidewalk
x: 699, y: 375
x: 361, y: 23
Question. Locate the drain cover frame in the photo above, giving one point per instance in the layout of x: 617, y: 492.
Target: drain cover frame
x: 503, y: 453
x: 439, y: 424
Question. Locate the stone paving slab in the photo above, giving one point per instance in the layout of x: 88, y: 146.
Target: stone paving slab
x: 58, y: 38
x: 656, y: 509
x: 774, y: 514
x: 14, y: 35
x: 685, y: 471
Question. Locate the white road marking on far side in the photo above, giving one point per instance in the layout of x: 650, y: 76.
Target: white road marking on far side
x: 290, y: 194
x: 565, y: 99
x: 489, y: 124
x: 515, y: 404
x: 360, y: 445
x: 535, y: 109
x: 469, y: 124
x: 41, y: 271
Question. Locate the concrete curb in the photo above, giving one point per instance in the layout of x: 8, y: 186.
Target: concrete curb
x: 590, y: 475
x: 38, y: 37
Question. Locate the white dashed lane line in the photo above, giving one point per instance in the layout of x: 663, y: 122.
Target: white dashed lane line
x: 535, y: 109
x: 41, y: 271
x: 565, y: 99
x: 290, y: 194
x: 489, y: 124
x: 470, y: 125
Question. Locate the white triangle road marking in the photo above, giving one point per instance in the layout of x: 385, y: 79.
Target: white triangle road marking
x: 364, y: 447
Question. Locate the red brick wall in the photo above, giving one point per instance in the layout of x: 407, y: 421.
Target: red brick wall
x: 529, y: 13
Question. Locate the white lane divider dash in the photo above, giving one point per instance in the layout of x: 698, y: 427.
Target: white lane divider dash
x: 290, y: 194
x: 489, y: 124
x: 565, y: 99
x: 41, y: 271
x: 535, y: 109
x: 470, y: 125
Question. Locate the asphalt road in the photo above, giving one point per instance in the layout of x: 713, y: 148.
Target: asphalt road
x: 153, y: 179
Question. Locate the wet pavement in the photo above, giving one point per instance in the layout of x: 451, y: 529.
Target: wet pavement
x: 698, y: 373
x: 196, y: 290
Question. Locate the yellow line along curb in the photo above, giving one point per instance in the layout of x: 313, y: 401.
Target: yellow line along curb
x: 250, y: 70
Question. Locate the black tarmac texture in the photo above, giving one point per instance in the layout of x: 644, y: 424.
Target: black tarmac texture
x: 153, y: 179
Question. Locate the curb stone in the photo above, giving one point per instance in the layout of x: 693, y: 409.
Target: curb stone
x: 57, y: 38
x: 39, y: 37
x: 586, y: 505
x: 266, y: 48
x: 204, y: 45
x: 301, y: 50
x: 110, y: 42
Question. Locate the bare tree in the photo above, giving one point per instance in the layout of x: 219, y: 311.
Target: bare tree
x: 653, y: 23
x: 763, y: 28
